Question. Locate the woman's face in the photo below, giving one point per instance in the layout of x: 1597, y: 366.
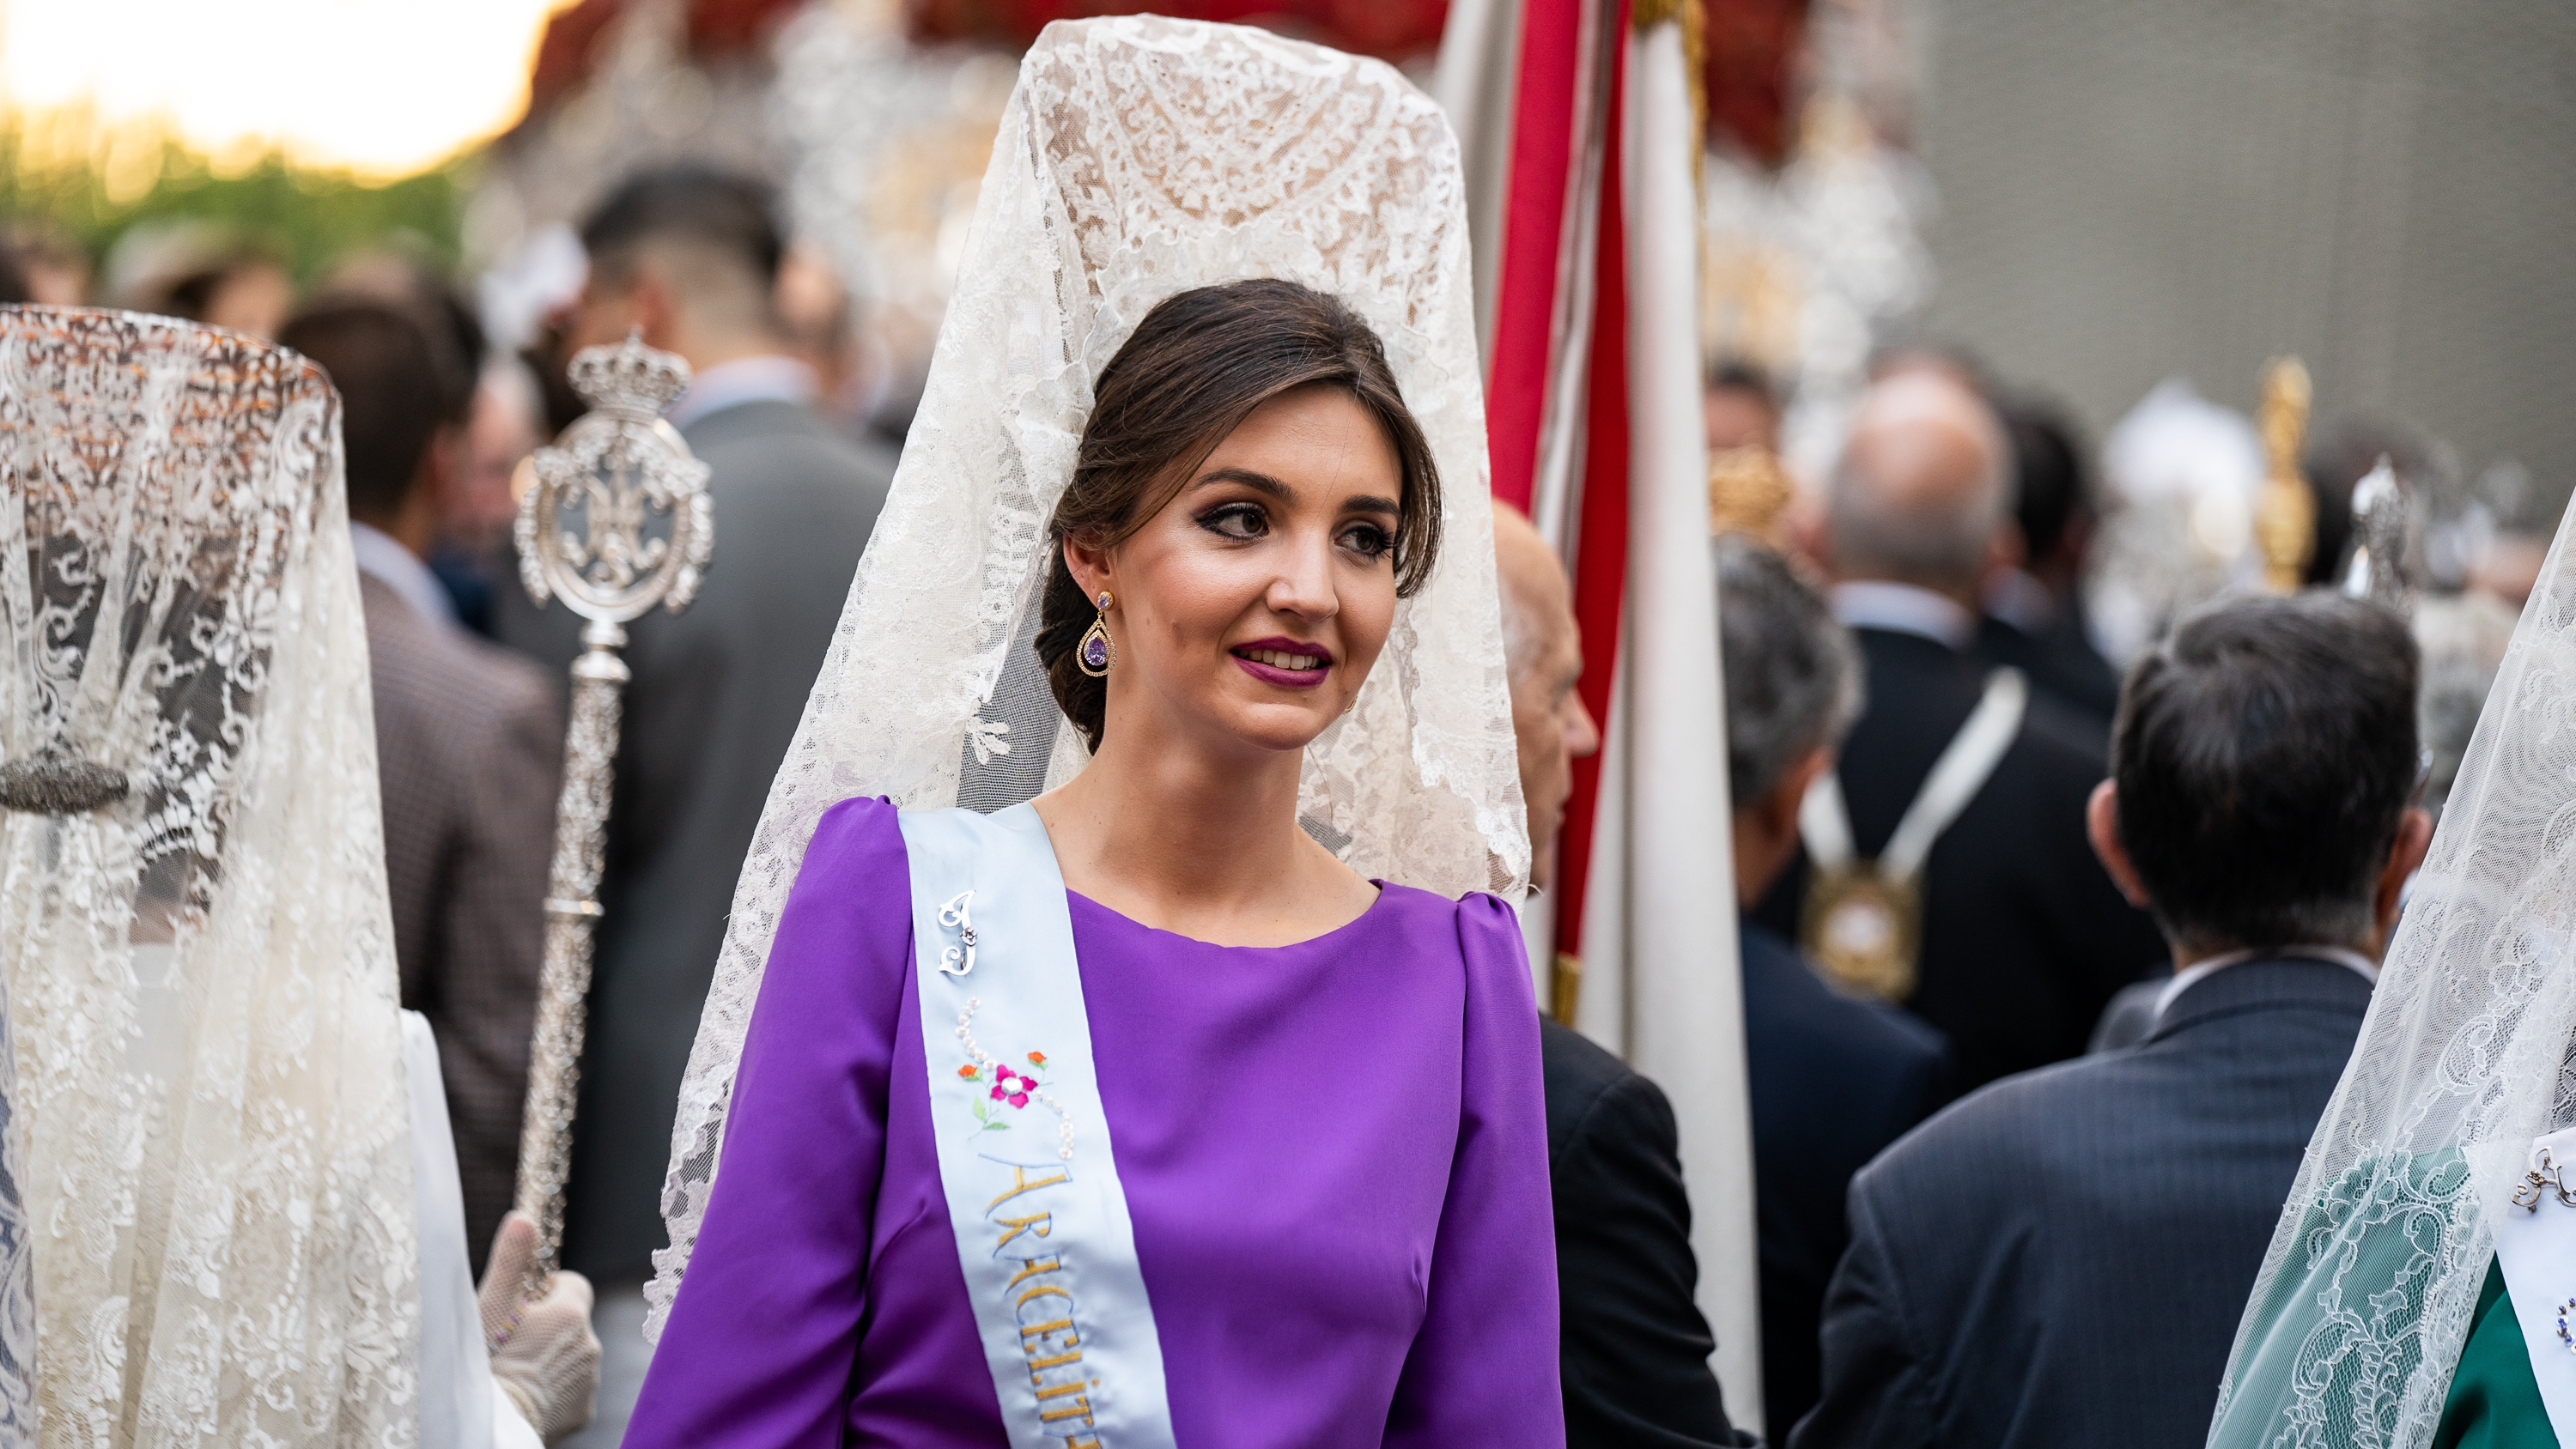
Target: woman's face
x: 1253, y: 604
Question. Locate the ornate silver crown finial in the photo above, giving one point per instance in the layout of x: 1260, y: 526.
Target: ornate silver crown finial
x: 629, y: 379
x: 615, y: 519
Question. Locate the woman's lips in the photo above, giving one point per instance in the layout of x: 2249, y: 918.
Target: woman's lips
x: 1285, y: 662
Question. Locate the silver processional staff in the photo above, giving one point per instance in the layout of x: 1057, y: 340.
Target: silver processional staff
x: 2379, y: 519
x: 615, y: 522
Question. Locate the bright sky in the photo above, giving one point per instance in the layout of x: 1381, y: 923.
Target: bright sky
x: 385, y: 87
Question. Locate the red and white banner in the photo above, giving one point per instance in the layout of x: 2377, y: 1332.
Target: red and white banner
x: 1593, y: 401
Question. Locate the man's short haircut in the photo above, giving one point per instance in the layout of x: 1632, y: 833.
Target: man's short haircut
x: 2050, y: 482
x: 390, y: 399
x: 719, y: 215
x: 1935, y: 543
x: 2265, y: 752
x: 400, y: 277
x: 1737, y: 374
x: 1793, y: 679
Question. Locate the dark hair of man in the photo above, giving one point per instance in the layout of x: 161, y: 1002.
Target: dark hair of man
x: 716, y: 211
x: 13, y: 281
x: 2264, y: 754
x: 390, y: 401
x: 1194, y: 369
x: 193, y: 295
x: 1735, y: 374
x: 459, y: 347
x: 2049, y: 476
x: 1792, y: 676
x: 401, y: 276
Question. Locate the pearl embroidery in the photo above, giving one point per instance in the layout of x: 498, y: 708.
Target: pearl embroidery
x: 984, y: 1062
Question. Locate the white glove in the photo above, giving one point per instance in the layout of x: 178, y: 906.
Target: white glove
x: 544, y: 1355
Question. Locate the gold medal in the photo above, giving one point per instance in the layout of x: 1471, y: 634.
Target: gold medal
x: 1862, y: 929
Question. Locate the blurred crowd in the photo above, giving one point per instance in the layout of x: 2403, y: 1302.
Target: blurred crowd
x: 2034, y: 1054
x: 469, y: 678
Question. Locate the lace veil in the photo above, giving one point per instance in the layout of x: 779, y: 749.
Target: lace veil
x: 1140, y: 157
x: 208, y: 1096
x: 2364, y: 1301
x: 17, y: 1260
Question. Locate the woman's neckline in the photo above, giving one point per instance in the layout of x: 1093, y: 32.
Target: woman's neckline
x: 1354, y: 923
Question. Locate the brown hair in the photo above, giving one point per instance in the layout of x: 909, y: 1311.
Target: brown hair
x: 1196, y: 367
x: 390, y: 398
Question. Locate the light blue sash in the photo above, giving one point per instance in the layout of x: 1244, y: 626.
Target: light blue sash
x: 1024, y: 1154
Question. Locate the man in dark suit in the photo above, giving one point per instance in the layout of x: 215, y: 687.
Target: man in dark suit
x: 2022, y: 937
x: 1635, y: 1350
x: 2034, y: 616
x: 1833, y: 1079
x: 2063, y: 1257
x: 469, y: 748
x: 691, y: 256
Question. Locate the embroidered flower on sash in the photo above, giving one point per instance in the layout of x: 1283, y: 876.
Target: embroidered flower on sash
x: 1009, y: 1086
x: 1012, y: 1087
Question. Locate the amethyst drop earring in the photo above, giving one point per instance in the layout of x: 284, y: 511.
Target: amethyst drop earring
x: 1097, y: 651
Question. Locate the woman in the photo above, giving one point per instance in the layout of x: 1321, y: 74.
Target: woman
x: 1133, y: 1115
x: 2420, y: 1289
x: 200, y: 964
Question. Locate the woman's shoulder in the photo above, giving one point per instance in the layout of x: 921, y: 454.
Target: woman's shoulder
x: 1484, y: 928
x: 855, y: 835
x: 848, y: 813
x: 842, y: 948
x: 1476, y: 910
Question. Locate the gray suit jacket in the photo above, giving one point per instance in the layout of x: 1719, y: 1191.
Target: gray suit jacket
x: 469, y: 754
x: 716, y: 695
x: 2062, y: 1258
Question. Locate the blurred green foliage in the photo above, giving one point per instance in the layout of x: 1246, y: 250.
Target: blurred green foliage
x: 94, y: 187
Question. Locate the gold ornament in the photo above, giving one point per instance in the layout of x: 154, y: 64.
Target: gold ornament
x: 1747, y: 489
x: 1862, y: 927
x: 2285, y: 517
x: 1564, y: 987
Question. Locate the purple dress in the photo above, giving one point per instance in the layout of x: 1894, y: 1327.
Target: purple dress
x: 1364, y: 1257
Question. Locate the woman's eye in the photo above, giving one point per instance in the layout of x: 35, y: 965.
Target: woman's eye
x: 1368, y: 540
x: 1235, y: 520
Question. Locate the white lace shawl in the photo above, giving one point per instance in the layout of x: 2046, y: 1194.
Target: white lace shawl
x: 1138, y: 158
x: 201, y: 983
x: 17, y: 1260
x: 2363, y: 1304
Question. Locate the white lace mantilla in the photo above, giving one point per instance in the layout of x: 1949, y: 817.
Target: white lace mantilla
x: 1138, y: 158
x: 17, y: 1260
x: 201, y: 986
x: 2364, y: 1301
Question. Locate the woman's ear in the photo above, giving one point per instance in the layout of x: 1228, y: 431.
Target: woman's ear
x: 1090, y: 567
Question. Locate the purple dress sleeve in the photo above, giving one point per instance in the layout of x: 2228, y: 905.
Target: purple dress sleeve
x: 1483, y: 1369
x: 781, y: 1264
